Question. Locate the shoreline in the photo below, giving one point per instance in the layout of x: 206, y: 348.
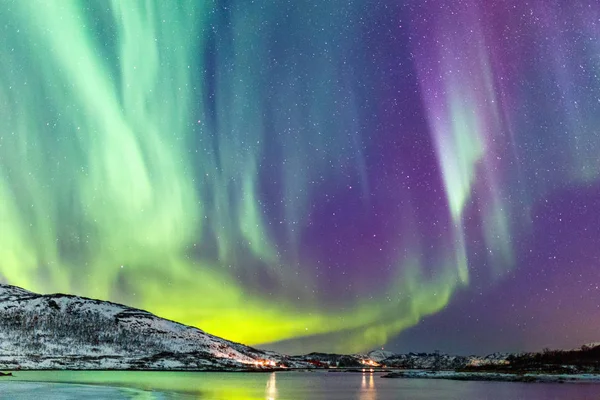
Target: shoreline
x: 390, y: 373
x: 495, y: 376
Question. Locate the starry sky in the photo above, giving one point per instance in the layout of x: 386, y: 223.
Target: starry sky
x: 310, y: 175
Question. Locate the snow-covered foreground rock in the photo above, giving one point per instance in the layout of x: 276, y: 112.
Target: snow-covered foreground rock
x: 69, y: 332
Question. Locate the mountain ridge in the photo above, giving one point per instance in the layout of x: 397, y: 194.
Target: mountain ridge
x: 63, y: 331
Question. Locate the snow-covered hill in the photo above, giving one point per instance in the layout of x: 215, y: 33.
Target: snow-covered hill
x: 61, y: 331
x: 437, y: 361
x: 379, y: 355
x: 387, y: 359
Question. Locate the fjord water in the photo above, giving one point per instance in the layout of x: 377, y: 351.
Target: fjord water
x: 67, y: 385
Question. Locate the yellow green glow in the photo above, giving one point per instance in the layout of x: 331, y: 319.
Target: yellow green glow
x: 100, y: 195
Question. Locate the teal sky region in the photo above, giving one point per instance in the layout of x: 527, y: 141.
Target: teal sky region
x: 310, y: 175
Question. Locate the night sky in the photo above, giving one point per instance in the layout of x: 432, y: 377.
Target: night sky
x: 310, y: 175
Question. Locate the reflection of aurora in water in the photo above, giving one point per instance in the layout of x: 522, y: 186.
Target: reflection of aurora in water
x: 311, y: 172
x: 294, y: 385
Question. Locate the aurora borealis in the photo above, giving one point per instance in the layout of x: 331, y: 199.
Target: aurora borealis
x: 315, y: 175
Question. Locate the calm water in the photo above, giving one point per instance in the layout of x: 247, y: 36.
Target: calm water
x: 66, y: 385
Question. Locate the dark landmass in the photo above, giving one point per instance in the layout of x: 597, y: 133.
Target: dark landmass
x: 579, y: 365
x: 585, y: 360
x: 495, y: 377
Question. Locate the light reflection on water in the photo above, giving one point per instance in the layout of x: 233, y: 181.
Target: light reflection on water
x: 279, y: 386
x: 272, y: 387
x: 367, y: 387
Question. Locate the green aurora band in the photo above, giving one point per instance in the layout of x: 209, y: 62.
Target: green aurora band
x: 133, y: 147
x: 98, y: 187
